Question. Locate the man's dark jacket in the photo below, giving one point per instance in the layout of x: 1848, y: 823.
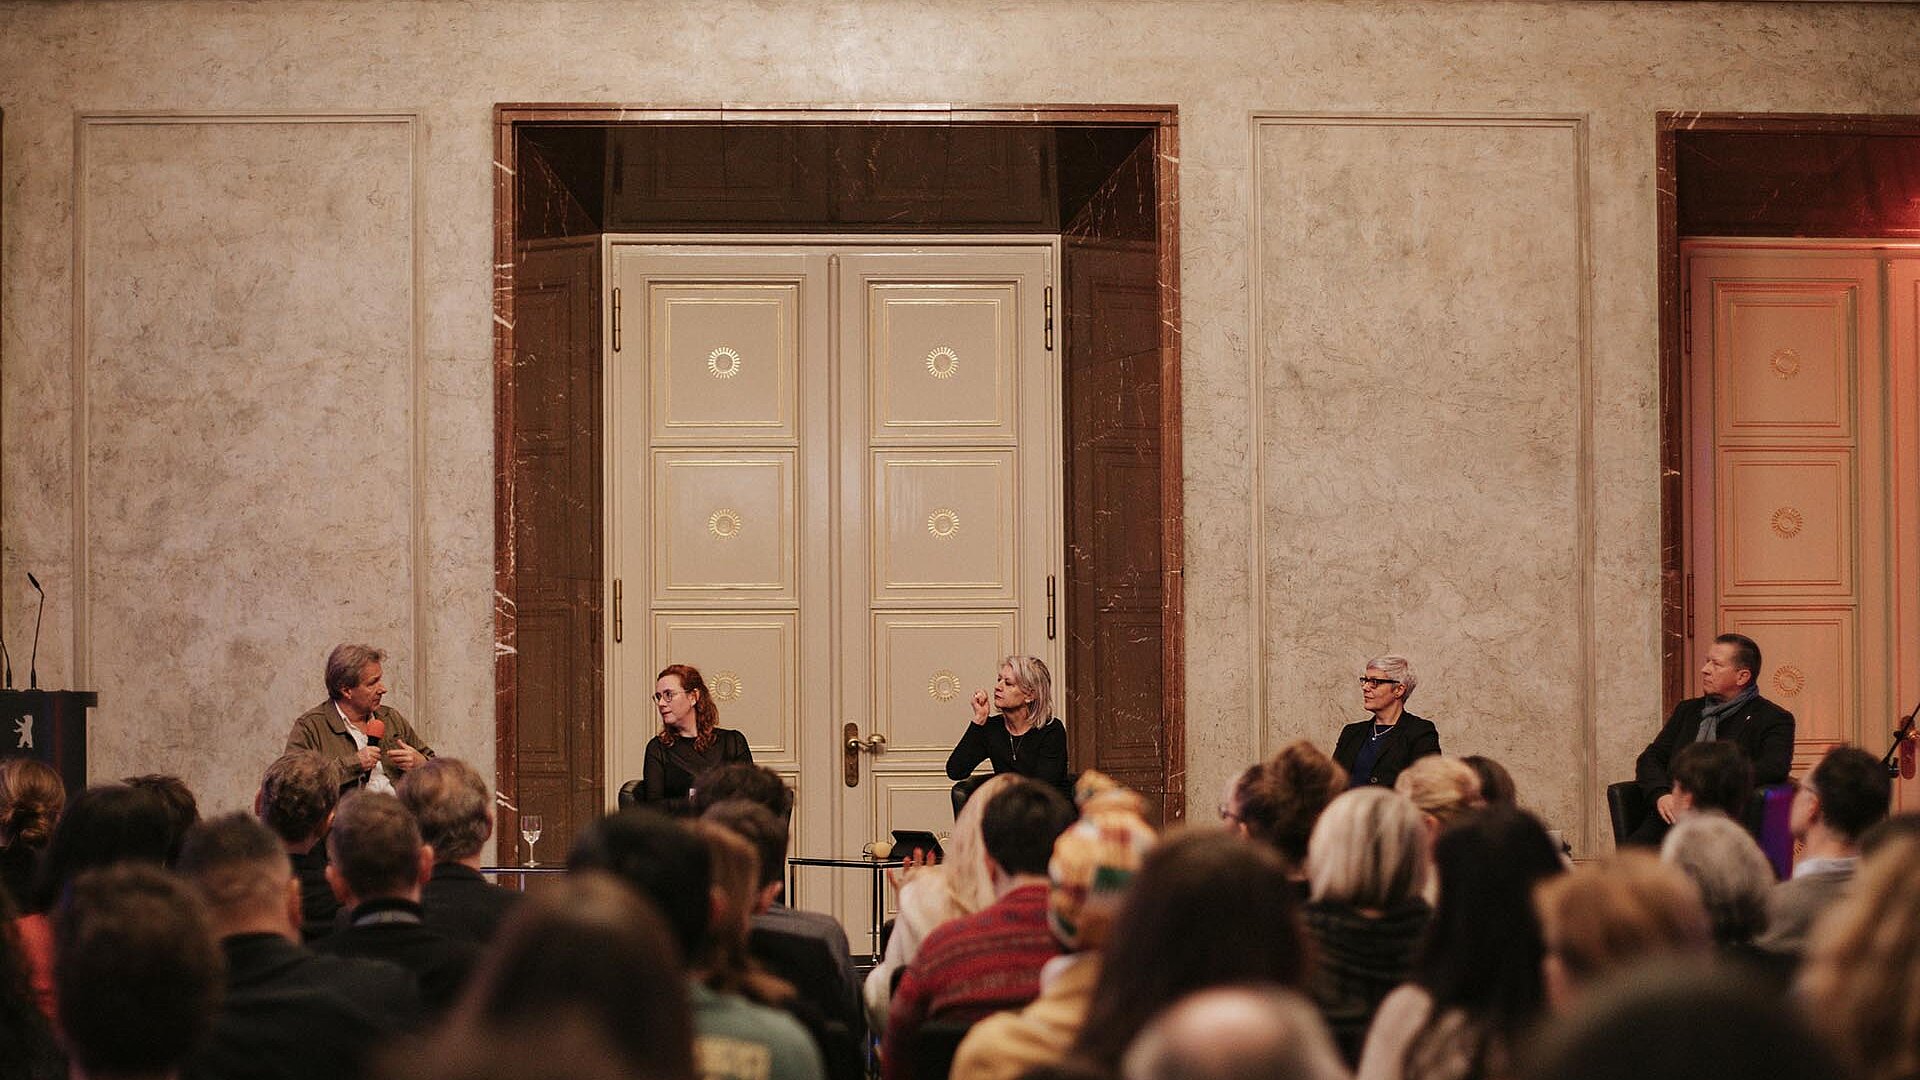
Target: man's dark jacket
x: 1759, y: 727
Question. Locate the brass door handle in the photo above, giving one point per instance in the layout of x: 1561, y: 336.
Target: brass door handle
x: 855, y: 746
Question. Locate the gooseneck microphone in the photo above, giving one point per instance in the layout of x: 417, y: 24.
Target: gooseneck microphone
x: 33, y: 661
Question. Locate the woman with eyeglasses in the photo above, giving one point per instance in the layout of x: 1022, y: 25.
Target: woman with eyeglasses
x: 691, y: 740
x: 1374, y: 751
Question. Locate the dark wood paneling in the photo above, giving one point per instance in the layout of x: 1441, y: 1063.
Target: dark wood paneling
x: 556, y: 537
x: 1115, y: 460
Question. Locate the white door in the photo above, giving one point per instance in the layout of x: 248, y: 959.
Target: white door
x: 833, y: 475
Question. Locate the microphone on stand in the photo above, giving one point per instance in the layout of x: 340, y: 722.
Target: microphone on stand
x: 33, y: 661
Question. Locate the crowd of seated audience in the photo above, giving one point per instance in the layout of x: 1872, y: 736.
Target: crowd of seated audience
x: 1430, y: 929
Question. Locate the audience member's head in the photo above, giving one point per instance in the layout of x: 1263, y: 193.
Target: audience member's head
x: 585, y: 962
x: 964, y: 883
x: 183, y: 810
x: 298, y: 796
x: 1496, y: 783
x: 102, y: 825
x: 1843, y: 796
x: 1442, y: 787
x: 1732, y: 873
x: 1019, y: 827
x: 740, y: 780
x: 664, y: 860
x: 1278, y: 800
x: 727, y: 966
x: 242, y: 874
x: 1712, y: 776
x: 374, y: 850
x: 1483, y: 951
x: 1093, y: 864
x: 1236, y: 1033
x: 1207, y: 909
x: 1668, y: 1021
x: 1861, y: 981
x: 767, y: 834
x: 31, y: 798
x: 450, y: 801
x: 1369, y: 850
x: 1603, y: 917
x: 136, y: 973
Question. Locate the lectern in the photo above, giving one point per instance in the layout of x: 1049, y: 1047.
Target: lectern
x: 50, y: 725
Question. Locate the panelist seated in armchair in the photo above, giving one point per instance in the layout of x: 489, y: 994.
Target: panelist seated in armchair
x: 1729, y: 710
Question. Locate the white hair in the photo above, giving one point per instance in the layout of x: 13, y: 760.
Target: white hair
x: 1733, y: 875
x: 1397, y: 668
x: 1236, y: 1033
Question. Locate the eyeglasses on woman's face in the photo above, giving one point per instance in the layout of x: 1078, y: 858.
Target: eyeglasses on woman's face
x: 1374, y: 682
x: 665, y: 696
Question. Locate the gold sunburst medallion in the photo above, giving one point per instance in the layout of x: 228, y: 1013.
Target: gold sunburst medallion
x: 943, y: 362
x: 723, y: 363
x: 724, y: 523
x: 943, y: 523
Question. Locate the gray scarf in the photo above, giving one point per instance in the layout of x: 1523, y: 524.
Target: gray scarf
x: 1711, y: 715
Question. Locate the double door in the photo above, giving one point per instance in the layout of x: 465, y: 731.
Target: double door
x: 834, y: 487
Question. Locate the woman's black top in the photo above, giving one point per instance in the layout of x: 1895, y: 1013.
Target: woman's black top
x: 1039, y: 754
x: 672, y: 772
x: 1361, y: 960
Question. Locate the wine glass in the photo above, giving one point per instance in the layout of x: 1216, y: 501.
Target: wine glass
x: 530, y: 832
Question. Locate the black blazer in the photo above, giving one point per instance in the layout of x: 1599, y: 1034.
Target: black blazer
x: 1761, y: 728
x: 1411, y: 739
x: 460, y: 903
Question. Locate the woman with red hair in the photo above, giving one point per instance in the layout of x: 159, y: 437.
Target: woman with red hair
x: 691, y: 740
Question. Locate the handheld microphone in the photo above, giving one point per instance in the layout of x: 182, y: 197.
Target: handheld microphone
x: 376, y: 729
x: 33, y: 661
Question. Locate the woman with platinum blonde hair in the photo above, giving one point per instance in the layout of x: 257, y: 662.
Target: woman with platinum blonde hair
x: 1374, y: 751
x: 1019, y: 733
x: 1367, y: 868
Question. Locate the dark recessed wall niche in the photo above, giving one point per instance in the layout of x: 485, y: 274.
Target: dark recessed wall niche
x: 1798, y: 183
x: 1102, y: 178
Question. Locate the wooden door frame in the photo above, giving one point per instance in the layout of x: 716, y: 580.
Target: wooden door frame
x: 510, y: 117
x: 1674, y: 373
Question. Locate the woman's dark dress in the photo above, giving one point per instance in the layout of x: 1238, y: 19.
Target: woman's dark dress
x: 1040, y: 754
x: 672, y: 772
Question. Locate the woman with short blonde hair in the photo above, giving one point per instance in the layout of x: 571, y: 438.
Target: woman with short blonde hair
x: 1013, y: 728
x: 1442, y: 787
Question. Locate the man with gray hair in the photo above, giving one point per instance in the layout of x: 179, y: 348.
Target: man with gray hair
x: 450, y: 800
x: 1235, y: 1033
x: 372, y: 740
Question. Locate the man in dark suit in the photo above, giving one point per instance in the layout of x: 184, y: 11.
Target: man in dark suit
x: 296, y: 800
x: 288, y: 1011
x: 449, y: 799
x: 1374, y: 751
x: 377, y: 865
x: 1730, y: 709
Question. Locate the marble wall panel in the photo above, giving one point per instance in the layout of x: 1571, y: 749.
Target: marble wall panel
x: 1217, y: 60
x: 247, y: 379
x: 1421, y: 359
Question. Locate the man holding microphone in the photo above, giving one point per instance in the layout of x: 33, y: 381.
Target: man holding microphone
x: 373, y: 743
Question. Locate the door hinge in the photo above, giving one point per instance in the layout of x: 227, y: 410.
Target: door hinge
x: 1052, y: 623
x: 616, y: 320
x: 1686, y: 321
x: 617, y: 612
x: 1049, y: 307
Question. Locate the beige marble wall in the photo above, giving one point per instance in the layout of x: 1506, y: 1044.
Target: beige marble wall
x: 1611, y: 64
x: 247, y: 376
x: 1421, y: 368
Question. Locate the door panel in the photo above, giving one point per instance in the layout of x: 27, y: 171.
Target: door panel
x: 728, y: 357
x: 1787, y: 364
x: 1787, y: 522
x: 944, y: 362
x: 724, y: 525
x: 843, y: 506
x: 751, y: 663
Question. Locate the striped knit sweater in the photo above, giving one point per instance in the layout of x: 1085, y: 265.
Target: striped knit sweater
x: 969, y: 968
